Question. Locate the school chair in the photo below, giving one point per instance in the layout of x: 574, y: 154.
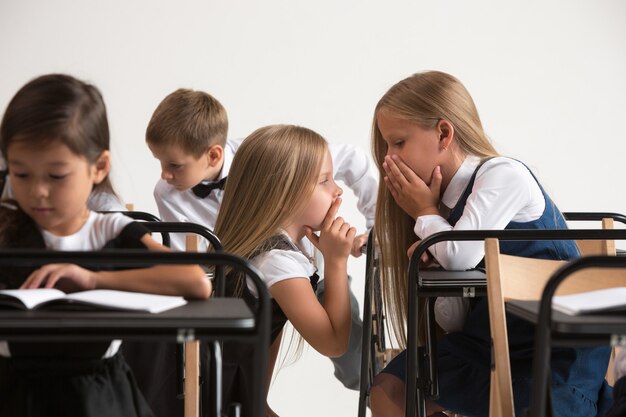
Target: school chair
x: 374, y: 352
x: 512, y: 277
x: 200, y: 231
x: 188, y: 356
x: 607, y: 329
x: 470, y: 284
x: 606, y: 247
x: 425, y: 286
x: 189, y: 380
x: 188, y: 362
x: 600, y: 247
x: 143, y: 216
x: 597, y: 247
x: 213, y: 319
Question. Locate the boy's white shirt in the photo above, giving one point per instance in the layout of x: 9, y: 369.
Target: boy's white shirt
x: 351, y: 165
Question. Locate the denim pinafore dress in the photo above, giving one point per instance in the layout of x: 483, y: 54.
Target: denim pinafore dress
x: 578, y: 386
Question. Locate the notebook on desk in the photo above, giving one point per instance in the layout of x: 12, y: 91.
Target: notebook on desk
x: 51, y: 298
x: 607, y: 300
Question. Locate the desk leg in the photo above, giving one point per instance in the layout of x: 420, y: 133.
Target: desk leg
x: 215, y: 379
x: 192, y: 378
x: 431, y: 385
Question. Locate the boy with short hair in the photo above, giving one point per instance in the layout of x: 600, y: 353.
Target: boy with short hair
x: 188, y: 135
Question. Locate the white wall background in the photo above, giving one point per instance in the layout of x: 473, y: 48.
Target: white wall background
x: 548, y: 77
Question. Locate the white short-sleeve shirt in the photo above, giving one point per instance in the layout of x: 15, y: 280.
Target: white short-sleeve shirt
x: 94, y: 235
x: 279, y: 265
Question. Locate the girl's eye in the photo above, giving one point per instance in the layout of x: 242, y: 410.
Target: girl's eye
x: 324, y: 181
x: 398, y: 144
x: 19, y: 175
x: 58, y: 177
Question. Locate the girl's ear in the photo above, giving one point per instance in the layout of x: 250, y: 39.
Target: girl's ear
x: 215, y: 155
x: 446, y: 133
x: 102, y: 167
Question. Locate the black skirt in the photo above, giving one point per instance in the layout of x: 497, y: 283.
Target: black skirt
x: 51, y: 388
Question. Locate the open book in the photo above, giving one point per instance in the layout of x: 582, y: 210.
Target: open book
x: 98, y: 299
x: 611, y: 299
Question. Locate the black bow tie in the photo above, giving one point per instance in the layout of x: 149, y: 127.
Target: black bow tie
x: 203, y: 190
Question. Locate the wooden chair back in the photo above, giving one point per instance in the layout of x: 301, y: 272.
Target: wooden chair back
x: 606, y: 248
x: 513, y: 277
x: 598, y: 247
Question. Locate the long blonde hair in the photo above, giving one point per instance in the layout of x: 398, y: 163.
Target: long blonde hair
x: 423, y: 98
x: 270, y: 181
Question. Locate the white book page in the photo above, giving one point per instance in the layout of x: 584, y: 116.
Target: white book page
x: 600, y: 300
x: 127, y: 300
x: 33, y: 297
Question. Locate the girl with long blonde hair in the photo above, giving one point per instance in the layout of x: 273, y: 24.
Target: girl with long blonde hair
x: 439, y: 172
x: 280, y: 189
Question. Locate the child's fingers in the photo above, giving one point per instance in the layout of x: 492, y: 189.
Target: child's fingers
x: 435, y: 183
x: 53, y: 278
x: 407, y: 173
x: 337, y: 223
x: 393, y: 175
x: 332, y: 212
x: 391, y: 187
x: 357, y: 245
x: 412, y: 248
x: 394, y: 172
x: 344, y: 229
x: 312, y: 236
x: 35, y: 279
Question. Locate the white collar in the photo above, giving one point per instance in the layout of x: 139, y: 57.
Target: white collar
x: 229, y: 154
x: 459, y: 181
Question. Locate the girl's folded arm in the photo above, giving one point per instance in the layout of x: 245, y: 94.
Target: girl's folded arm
x: 187, y: 280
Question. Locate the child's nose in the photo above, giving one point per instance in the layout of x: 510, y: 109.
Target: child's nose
x: 39, y: 189
x: 339, y: 191
x: 166, y: 175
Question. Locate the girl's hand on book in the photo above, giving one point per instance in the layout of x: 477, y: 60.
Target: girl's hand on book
x: 68, y: 276
x: 411, y: 193
x: 336, y: 235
